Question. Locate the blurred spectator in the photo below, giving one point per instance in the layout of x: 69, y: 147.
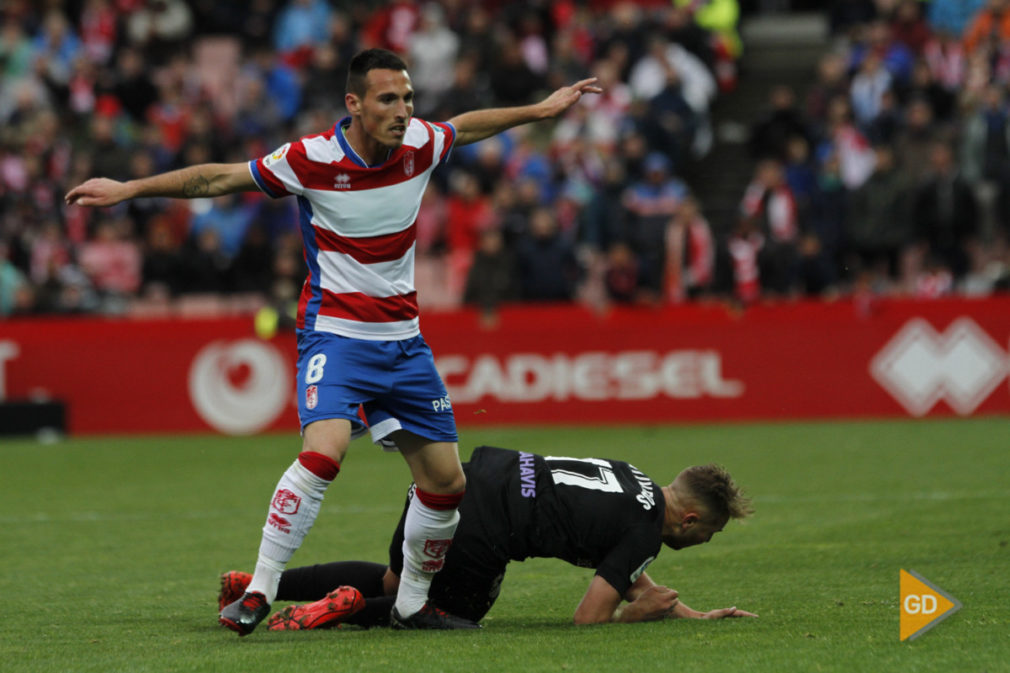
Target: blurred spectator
x: 547, y: 265
x: 432, y: 49
x: 621, y: 274
x: 206, y: 265
x: 16, y: 50
x: 14, y: 288
x: 250, y: 269
x: 952, y: 16
x: 914, y: 142
x: 868, y: 88
x: 942, y: 101
x: 162, y: 262
x: 228, y: 216
x: 908, y: 25
x: 112, y: 259
x: 56, y: 47
x: 989, y: 28
x: 744, y: 247
x: 650, y: 204
x: 99, y: 30
x: 828, y: 212
x: 133, y: 88
x: 301, y: 24
x: 690, y: 253
x: 512, y: 80
x: 491, y: 280
x: 832, y: 82
x: 985, y: 156
x: 945, y: 56
x: 391, y: 26
x: 896, y: 58
x: 469, y: 212
x: 769, y: 205
x: 879, y: 223
x: 845, y: 15
x: 783, y: 121
x: 946, y: 212
x: 469, y: 90
x: 160, y: 27
x: 847, y: 143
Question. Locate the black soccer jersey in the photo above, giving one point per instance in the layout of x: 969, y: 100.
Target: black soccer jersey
x: 602, y: 514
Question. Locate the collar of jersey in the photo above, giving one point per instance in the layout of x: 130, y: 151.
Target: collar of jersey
x: 338, y: 131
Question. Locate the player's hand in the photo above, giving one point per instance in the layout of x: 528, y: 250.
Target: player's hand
x: 724, y: 613
x: 98, y: 192
x: 567, y: 96
x: 656, y: 602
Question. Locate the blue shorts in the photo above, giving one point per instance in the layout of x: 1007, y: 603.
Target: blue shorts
x: 395, y: 383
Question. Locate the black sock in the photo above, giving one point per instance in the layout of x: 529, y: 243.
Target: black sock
x: 310, y: 583
x: 375, y: 613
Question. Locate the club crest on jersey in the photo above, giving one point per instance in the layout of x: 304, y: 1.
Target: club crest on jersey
x: 408, y: 163
x: 311, y: 397
x: 342, y: 181
x: 286, y: 502
x: 436, y: 548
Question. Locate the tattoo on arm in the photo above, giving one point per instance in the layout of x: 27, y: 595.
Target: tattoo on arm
x: 195, y: 187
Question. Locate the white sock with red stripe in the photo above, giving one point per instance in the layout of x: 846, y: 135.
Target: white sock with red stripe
x: 427, y: 533
x: 293, y: 510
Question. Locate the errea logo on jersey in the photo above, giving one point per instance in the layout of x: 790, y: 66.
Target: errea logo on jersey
x: 342, y: 181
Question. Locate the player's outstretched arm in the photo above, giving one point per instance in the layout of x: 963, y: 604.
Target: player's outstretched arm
x: 204, y: 180
x: 480, y: 124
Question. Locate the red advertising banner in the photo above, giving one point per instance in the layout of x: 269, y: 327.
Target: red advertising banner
x: 552, y: 364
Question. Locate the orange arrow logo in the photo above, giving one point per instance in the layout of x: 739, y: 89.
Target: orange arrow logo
x: 923, y: 605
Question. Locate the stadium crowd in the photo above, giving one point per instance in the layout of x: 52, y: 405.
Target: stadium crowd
x: 891, y: 174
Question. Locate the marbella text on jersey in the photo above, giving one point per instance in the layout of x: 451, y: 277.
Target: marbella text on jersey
x: 592, y: 376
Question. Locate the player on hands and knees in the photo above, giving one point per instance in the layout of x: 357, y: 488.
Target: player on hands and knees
x: 359, y: 186
x: 603, y: 514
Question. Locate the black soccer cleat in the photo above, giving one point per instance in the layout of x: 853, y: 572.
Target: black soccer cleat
x: 243, y: 615
x: 429, y: 618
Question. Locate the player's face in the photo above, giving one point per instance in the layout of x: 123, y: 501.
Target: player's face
x: 387, y: 106
x: 689, y: 534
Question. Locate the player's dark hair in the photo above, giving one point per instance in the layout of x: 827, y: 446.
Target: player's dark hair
x: 713, y: 488
x: 370, y: 59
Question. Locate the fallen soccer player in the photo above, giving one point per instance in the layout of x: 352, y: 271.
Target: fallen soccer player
x: 602, y: 514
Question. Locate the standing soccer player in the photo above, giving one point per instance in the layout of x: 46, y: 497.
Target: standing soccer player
x: 359, y: 188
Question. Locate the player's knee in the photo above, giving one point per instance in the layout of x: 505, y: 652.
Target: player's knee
x: 328, y: 437
x: 443, y: 483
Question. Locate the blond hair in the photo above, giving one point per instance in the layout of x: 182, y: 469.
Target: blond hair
x: 711, y: 487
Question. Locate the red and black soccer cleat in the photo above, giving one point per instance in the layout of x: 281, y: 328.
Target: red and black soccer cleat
x: 338, y: 605
x: 233, y: 584
x: 243, y: 615
x: 430, y: 618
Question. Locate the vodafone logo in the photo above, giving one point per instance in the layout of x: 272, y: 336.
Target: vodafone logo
x: 591, y: 376
x: 239, y: 387
x: 921, y: 366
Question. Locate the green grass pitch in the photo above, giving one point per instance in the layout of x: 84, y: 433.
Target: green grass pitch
x: 110, y: 550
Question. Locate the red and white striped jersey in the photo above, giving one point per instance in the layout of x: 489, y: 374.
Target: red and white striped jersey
x: 358, y: 226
